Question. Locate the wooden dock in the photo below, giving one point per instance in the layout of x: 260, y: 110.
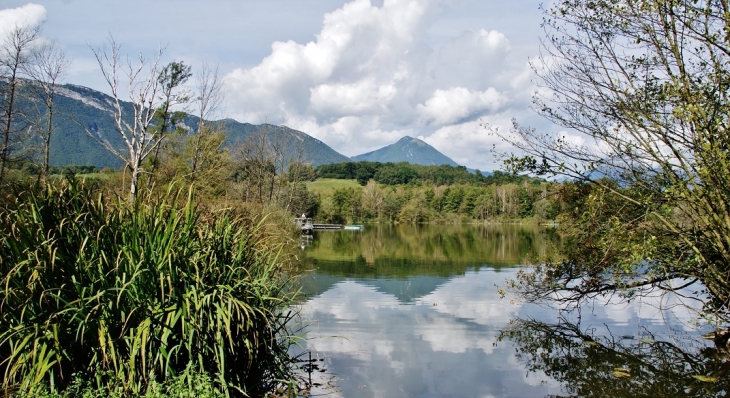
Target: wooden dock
x: 326, y: 226
x: 307, y: 225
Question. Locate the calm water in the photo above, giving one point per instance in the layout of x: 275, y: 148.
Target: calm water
x: 413, y: 311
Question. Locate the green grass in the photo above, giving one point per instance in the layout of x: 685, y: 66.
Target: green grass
x: 326, y: 186
x: 120, y: 298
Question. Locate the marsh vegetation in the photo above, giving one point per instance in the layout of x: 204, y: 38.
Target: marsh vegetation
x: 104, y: 297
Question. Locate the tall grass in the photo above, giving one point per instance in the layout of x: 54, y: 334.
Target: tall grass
x: 123, y: 297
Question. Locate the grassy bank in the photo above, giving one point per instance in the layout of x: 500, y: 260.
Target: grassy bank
x: 100, y: 298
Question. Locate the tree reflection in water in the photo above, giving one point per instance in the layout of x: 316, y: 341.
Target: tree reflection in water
x: 593, y: 363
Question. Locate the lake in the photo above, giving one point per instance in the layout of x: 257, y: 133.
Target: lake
x: 414, y: 311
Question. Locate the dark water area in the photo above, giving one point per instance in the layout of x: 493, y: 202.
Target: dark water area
x: 414, y: 311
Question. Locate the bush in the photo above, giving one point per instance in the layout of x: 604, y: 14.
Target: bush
x: 123, y: 297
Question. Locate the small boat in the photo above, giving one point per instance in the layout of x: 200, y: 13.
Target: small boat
x: 354, y: 227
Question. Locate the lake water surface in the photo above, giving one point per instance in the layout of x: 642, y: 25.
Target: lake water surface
x: 414, y: 311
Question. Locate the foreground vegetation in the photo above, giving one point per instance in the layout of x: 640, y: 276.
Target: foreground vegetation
x: 104, y: 298
x: 178, y: 292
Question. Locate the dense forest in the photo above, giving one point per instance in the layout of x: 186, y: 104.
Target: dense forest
x: 407, y: 193
x: 407, y: 173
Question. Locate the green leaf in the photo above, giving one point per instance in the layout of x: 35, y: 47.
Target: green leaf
x: 706, y: 379
x: 621, y: 373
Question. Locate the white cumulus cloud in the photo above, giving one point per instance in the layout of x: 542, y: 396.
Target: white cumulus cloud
x: 373, y: 74
x: 458, y: 103
x: 364, y: 96
x: 29, y: 15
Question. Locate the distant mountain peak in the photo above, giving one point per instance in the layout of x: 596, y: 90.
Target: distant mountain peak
x: 407, y: 149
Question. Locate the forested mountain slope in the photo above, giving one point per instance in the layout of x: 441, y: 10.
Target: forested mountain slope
x: 81, y: 110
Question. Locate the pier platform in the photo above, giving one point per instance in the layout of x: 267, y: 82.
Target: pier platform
x: 307, y: 225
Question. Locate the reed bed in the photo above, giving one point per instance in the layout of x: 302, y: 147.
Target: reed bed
x: 120, y: 299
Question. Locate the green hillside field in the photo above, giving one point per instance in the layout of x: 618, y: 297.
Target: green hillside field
x: 326, y: 186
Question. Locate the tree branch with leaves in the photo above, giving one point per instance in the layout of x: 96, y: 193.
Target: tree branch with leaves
x: 642, y: 89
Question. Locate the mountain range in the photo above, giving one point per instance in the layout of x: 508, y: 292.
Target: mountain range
x: 80, y: 108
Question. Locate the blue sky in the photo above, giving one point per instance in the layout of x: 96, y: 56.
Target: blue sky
x: 357, y: 74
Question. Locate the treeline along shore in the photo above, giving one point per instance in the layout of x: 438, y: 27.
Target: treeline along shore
x: 407, y: 193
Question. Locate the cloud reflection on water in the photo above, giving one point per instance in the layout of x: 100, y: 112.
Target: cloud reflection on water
x: 443, y: 344
x: 407, y: 324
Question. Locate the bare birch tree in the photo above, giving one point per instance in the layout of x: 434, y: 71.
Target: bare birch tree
x: 144, y: 86
x: 210, y: 94
x: 206, y: 145
x: 49, y: 64
x: 14, y: 56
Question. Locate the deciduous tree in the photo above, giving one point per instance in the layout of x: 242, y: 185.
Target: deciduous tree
x: 205, y: 146
x: 642, y: 86
x: 166, y: 117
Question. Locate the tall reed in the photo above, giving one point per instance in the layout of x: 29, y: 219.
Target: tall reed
x: 124, y: 296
